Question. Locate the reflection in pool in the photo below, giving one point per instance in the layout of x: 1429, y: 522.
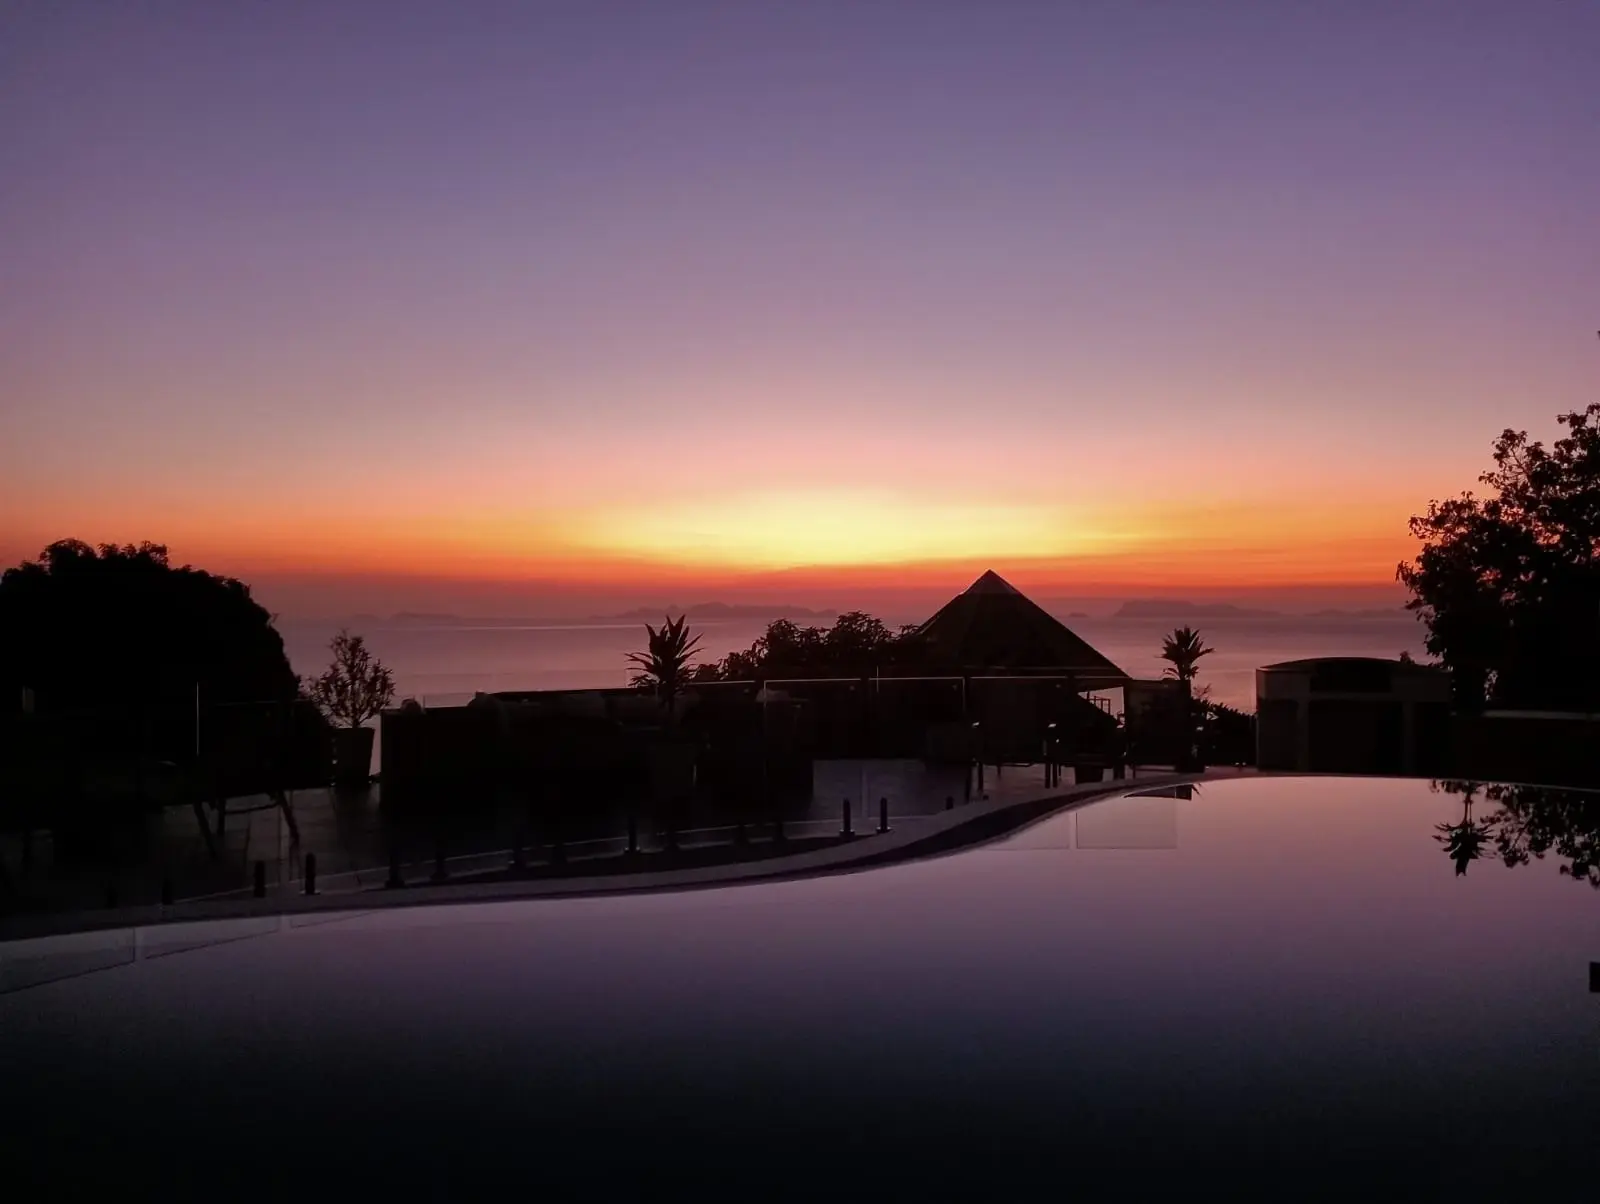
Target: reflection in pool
x: 1278, y: 981
x: 1527, y: 822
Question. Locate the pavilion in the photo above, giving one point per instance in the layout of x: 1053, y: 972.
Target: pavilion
x: 993, y: 629
x: 1024, y: 673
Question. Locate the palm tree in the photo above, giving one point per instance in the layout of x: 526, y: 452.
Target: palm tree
x: 1184, y: 648
x: 1464, y: 842
x: 664, y: 665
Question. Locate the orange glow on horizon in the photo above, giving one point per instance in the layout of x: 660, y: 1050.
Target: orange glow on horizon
x: 834, y: 538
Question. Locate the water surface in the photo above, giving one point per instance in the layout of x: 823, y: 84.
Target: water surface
x: 1278, y: 983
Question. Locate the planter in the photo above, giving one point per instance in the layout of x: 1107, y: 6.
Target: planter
x: 352, y: 755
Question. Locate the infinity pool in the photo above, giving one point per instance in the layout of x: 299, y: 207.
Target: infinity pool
x: 1277, y: 983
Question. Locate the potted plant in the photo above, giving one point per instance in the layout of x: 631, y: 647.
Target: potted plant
x: 664, y: 669
x: 355, y: 688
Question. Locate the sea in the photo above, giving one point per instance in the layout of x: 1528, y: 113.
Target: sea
x: 445, y: 662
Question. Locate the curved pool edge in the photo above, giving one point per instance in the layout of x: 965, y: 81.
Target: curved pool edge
x: 944, y: 833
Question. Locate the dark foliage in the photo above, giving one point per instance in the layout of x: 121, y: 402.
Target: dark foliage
x: 1530, y: 822
x: 85, y: 627
x: 1183, y: 648
x: 1509, y: 584
x: 1227, y: 735
x: 855, y: 645
x: 664, y: 666
x: 355, y: 687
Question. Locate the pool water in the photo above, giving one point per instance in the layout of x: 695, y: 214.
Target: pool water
x: 1279, y: 984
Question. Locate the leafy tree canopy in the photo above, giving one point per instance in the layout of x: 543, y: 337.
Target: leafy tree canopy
x: 82, y: 626
x: 1532, y: 821
x: 355, y: 687
x: 857, y: 643
x: 1509, y: 583
x: 664, y: 666
x: 1183, y: 648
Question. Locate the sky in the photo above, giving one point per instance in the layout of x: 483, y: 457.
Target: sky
x: 386, y: 305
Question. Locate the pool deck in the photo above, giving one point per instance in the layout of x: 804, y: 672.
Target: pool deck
x: 929, y: 835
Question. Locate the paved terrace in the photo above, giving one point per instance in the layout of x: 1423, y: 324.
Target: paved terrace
x: 43, y: 947
x: 345, y: 832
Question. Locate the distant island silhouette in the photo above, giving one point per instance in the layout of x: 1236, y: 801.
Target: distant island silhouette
x: 1173, y: 608
x: 639, y: 614
x: 1138, y: 609
x: 720, y: 610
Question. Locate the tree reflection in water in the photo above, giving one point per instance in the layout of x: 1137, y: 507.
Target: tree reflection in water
x: 1464, y: 841
x: 1530, y: 821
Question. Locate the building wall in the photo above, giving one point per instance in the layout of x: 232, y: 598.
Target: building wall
x: 1339, y: 716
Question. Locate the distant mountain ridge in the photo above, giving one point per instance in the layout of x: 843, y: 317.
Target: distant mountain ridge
x: 1172, y: 608
x: 720, y: 610
x: 1163, y: 608
x: 1175, y: 610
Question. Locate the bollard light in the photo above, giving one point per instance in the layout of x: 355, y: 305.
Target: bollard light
x: 883, y: 815
x: 846, y: 829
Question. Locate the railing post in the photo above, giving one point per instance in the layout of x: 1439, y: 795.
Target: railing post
x: 441, y: 872
x: 883, y: 815
x: 259, y: 886
x: 311, y: 873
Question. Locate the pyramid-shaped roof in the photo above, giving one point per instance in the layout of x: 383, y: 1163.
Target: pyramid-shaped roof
x: 994, y: 626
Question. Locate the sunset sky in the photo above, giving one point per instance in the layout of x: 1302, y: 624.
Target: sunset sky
x: 398, y: 305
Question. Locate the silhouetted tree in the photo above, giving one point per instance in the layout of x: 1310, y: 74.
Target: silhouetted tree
x: 1183, y: 648
x: 856, y: 644
x: 1463, y: 842
x: 665, y: 663
x: 1509, y: 584
x: 82, y: 626
x: 1535, y: 820
x: 1228, y: 735
x: 355, y: 687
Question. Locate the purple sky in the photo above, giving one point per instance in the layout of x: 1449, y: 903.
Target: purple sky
x: 520, y: 270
